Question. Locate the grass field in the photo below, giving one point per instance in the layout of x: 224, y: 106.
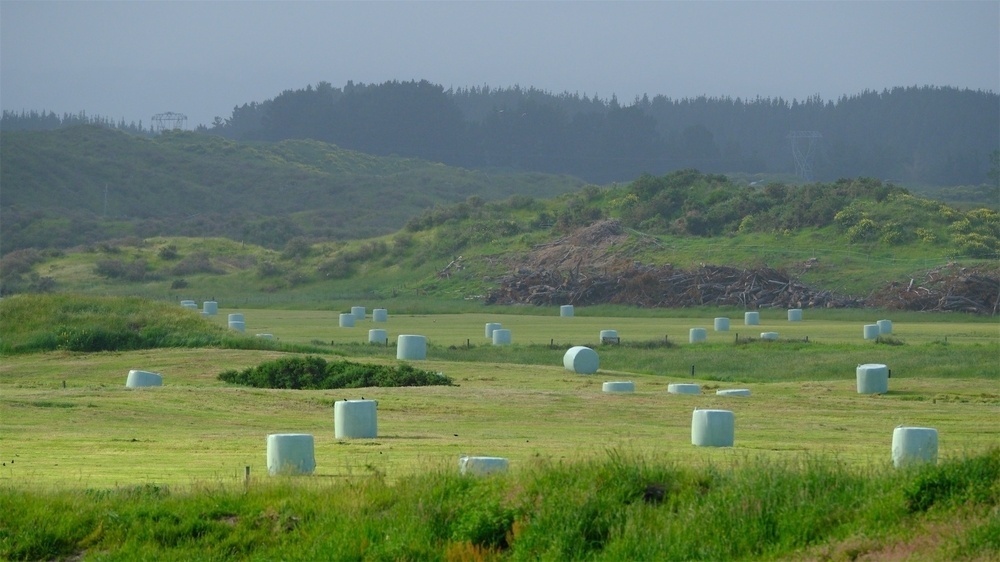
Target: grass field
x: 70, y: 422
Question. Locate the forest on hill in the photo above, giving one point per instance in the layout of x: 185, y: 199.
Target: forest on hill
x: 938, y: 136
x: 909, y: 135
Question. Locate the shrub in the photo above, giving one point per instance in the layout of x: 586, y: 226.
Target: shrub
x: 972, y: 480
x: 168, y: 252
x: 315, y: 373
x: 198, y: 262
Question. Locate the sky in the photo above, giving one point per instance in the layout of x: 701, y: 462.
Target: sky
x: 133, y: 59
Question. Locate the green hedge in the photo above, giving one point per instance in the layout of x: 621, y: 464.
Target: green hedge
x: 315, y: 373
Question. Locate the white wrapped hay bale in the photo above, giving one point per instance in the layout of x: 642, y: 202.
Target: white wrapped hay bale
x: 872, y: 378
x: 237, y: 325
x: 721, y: 324
x: 751, y: 318
x: 712, y: 428
x: 237, y: 317
x: 871, y: 331
x: 409, y: 346
x: 769, y: 336
x: 139, y: 379
x: 609, y: 336
x: 210, y: 308
x: 566, y: 311
x: 355, y: 419
x: 480, y: 466
x: 696, y: 335
x: 683, y: 388
x: 581, y: 360
x: 618, y: 386
x: 347, y: 320
x: 378, y: 336
x: 290, y: 453
x: 501, y: 336
x: 794, y: 314
x: 490, y: 328
x: 914, y: 445
x: 733, y: 392
x: 380, y: 315
x: 359, y: 312
x: 884, y: 327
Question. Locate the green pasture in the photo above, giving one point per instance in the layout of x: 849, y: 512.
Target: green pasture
x: 68, y: 419
x: 541, y: 326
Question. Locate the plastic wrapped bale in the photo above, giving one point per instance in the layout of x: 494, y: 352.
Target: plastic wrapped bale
x: 210, y: 308
x: 712, y: 428
x: 914, y: 445
x: 872, y: 378
x: 347, y: 320
x: 884, y: 327
x: 237, y: 325
x: 410, y: 346
x: 290, y: 453
x: 139, y: 379
x: 721, y: 324
x: 480, y: 466
x: 378, y: 336
x: 696, y: 335
x: 751, y: 318
x: 609, y: 336
x: 794, y: 314
x: 380, y: 315
x: 490, y: 328
x: 871, y: 331
x: 566, y: 311
x: 501, y: 336
x: 237, y: 317
x: 581, y: 360
x: 355, y: 419
x: 683, y: 388
x: 769, y: 336
x: 733, y: 392
x: 359, y: 312
x: 618, y: 386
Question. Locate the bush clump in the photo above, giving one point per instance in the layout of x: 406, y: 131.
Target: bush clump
x: 315, y: 373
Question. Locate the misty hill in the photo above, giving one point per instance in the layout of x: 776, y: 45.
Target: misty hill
x: 913, y: 135
x: 87, y: 183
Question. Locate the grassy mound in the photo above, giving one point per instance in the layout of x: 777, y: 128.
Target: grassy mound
x: 315, y: 373
x: 33, y: 323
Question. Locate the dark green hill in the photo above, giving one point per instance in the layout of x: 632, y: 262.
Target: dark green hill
x: 87, y: 183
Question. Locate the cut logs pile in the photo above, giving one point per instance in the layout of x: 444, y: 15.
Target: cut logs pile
x: 664, y: 286
x: 946, y: 289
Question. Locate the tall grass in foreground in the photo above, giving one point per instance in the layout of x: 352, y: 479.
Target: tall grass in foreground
x: 617, y: 508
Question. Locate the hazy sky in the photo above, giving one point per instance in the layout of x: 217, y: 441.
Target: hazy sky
x: 132, y: 59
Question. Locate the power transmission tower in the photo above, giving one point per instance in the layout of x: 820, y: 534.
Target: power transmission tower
x: 168, y: 121
x: 804, y: 150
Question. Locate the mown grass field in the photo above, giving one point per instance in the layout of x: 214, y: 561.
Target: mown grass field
x: 514, y: 401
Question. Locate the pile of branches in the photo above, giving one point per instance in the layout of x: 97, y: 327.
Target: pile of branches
x: 950, y: 288
x: 665, y: 287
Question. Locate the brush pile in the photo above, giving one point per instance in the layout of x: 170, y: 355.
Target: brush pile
x: 945, y: 289
x: 664, y: 287
x: 593, y: 266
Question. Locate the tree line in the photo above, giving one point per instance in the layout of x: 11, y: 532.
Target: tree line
x: 922, y: 135
x: 915, y: 135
